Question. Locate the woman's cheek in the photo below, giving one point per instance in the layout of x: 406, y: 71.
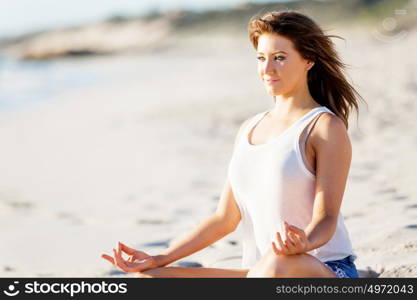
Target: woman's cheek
x: 260, y: 72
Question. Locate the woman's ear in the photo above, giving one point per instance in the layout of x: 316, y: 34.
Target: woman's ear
x: 310, y: 64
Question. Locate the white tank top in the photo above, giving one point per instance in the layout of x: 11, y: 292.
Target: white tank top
x: 271, y: 183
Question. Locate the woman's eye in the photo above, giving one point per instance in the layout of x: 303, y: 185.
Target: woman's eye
x: 280, y: 58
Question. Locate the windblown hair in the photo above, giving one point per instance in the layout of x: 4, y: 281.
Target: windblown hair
x: 326, y: 81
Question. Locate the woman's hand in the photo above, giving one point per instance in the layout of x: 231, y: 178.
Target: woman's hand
x: 137, y: 261
x: 294, y: 242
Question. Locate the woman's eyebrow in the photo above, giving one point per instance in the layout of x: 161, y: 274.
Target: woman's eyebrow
x: 275, y: 52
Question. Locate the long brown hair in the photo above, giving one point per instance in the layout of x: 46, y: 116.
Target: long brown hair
x: 326, y: 81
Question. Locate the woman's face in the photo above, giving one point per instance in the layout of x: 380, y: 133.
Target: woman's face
x: 280, y: 66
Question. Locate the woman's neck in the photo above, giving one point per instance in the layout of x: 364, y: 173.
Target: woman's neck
x: 287, y: 105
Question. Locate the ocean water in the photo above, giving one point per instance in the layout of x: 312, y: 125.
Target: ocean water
x: 28, y: 84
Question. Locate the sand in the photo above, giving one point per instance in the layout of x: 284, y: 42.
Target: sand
x: 142, y: 158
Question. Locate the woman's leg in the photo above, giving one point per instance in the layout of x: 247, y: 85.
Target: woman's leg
x: 290, y: 266
x: 270, y: 265
x: 181, y: 272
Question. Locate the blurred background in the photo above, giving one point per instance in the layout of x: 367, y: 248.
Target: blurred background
x: 117, y: 122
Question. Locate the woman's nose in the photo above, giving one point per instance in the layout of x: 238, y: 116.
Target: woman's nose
x: 269, y: 67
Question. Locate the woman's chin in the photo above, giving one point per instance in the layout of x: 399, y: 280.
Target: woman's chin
x: 274, y: 92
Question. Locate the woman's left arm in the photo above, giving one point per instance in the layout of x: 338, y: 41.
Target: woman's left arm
x: 333, y: 152
x: 333, y: 156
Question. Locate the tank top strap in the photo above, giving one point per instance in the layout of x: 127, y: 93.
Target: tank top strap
x: 310, y: 118
x: 299, y: 125
x: 253, y: 121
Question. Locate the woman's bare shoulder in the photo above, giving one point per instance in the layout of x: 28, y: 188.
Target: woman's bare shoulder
x: 242, y: 127
x: 245, y: 122
x: 329, y: 129
x: 330, y: 123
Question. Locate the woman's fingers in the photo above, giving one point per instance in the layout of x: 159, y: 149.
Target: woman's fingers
x: 286, y: 229
x: 127, y: 266
x: 300, y: 236
x: 295, y: 239
x: 300, y: 241
x: 119, y: 263
x: 108, y: 258
x: 297, y: 230
x: 303, y: 240
x: 126, y: 249
x: 292, y: 248
x: 288, y: 239
x: 281, y: 244
x: 134, y: 255
x: 124, y: 265
x: 276, y: 250
x: 120, y: 248
x: 291, y: 241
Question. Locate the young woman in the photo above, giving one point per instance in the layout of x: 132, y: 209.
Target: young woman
x: 288, y: 172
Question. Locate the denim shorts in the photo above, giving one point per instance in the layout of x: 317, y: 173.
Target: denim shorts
x: 343, y: 268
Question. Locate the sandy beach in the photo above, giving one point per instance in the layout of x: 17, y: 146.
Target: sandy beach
x: 142, y: 157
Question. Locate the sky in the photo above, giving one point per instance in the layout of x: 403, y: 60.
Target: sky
x: 23, y: 16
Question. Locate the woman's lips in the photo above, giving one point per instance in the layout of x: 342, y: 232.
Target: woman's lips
x: 269, y: 81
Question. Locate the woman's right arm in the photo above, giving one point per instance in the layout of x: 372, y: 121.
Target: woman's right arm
x: 224, y: 221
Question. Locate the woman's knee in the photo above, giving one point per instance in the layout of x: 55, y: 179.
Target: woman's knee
x: 280, y: 266
x: 266, y: 266
x: 273, y: 265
